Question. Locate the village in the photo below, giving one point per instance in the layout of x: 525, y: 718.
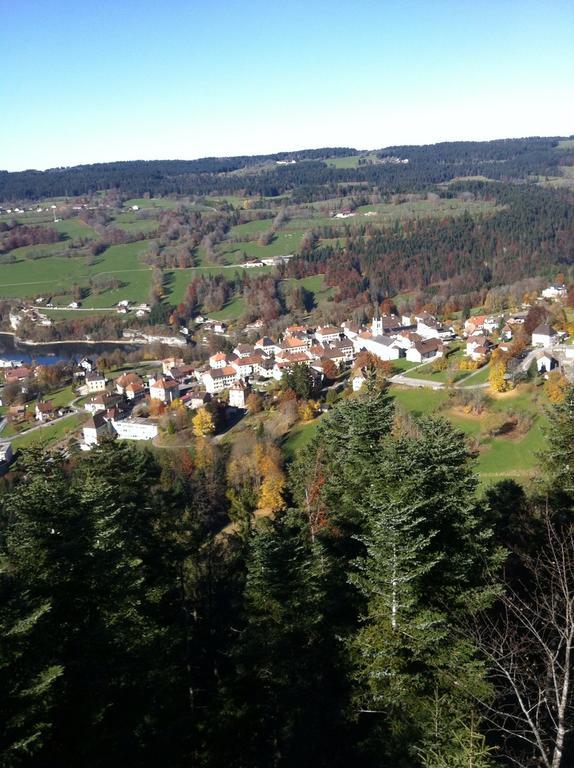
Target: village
x: 137, y: 404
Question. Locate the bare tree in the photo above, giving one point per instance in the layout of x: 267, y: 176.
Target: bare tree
x: 529, y: 646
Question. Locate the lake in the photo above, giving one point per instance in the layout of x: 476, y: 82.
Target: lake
x: 54, y: 352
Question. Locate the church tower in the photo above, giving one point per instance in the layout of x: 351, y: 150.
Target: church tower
x: 377, y: 323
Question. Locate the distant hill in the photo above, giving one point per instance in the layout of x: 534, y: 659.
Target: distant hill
x: 311, y: 176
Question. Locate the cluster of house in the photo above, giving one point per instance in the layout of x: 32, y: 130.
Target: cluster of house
x: 549, y: 351
x: 31, y: 314
x: 112, y: 403
x: 418, y: 339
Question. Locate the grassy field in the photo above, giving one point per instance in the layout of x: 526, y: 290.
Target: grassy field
x: 51, y: 434
x: 499, y: 457
x: 478, y: 377
x: 27, y: 278
x: 283, y: 244
x: 298, y: 437
x: 250, y: 228
x: 315, y: 284
x: 350, y: 161
x: 233, y: 310
x: 427, y: 208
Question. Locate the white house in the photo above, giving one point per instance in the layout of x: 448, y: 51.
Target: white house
x: 425, y: 350
x: 219, y: 360
x: 327, y: 333
x: 164, y: 390
x: 543, y: 336
x: 237, y: 394
x: 384, y: 347
x: 546, y: 363
x: 95, y: 382
x: 358, y: 380
x: 428, y: 328
x: 554, y: 292
x: 6, y: 453
x: 45, y: 411
x: 95, y: 429
x: 135, y: 429
x: 218, y: 379
x: 87, y: 364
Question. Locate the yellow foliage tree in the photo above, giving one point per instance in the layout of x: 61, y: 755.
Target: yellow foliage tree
x: 308, y: 410
x: 555, y: 387
x: 496, y: 377
x: 202, y: 423
x: 271, y: 493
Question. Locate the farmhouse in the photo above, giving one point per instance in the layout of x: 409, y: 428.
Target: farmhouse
x: 45, y: 411
x: 425, y: 350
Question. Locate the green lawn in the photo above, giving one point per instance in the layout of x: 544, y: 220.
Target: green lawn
x: 233, y: 310
x: 61, y: 397
x: 27, y: 278
x: 50, y: 434
x: 350, y: 161
x: 315, y: 284
x: 298, y: 437
x: 478, y: 377
x: 283, y: 244
x: 427, y: 208
x: 153, y: 202
x: 501, y: 456
x: 250, y: 228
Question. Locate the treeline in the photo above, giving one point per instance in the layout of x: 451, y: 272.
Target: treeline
x: 213, y: 609
x: 310, y: 178
x: 19, y: 235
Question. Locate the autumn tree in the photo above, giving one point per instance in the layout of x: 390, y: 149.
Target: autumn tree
x: 202, y: 423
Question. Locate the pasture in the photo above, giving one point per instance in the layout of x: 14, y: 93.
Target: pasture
x: 504, y: 456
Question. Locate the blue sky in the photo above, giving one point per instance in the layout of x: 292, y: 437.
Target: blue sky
x: 85, y: 82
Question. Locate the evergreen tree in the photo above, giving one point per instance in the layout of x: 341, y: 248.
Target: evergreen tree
x: 287, y: 702
x: 558, y: 456
x: 422, y: 571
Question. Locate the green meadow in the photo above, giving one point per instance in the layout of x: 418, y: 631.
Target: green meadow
x: 27, y: 278
x: 512, y: 456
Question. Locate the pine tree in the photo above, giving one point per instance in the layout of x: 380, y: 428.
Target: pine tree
x: 558, y: 456
x: 43, y: 548
x: 422, y: 571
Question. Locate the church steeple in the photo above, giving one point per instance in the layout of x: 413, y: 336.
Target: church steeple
x: 377, y: 323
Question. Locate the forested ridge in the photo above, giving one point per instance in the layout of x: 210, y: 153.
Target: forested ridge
x: 383, y: 612
x: 532, y: 234
x: 310, y: 177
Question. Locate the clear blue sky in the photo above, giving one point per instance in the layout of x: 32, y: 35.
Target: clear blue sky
x: 96, y: 81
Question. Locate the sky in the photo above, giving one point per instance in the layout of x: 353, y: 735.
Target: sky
x: 84, y: 82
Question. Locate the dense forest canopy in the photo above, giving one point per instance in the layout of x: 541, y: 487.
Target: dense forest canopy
x: 368, y: 607
x: 260, y: 175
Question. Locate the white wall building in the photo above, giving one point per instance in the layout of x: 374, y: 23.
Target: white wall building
x: 135, y: 429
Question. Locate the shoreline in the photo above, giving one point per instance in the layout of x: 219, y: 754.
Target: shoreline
x: 117, y: 342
